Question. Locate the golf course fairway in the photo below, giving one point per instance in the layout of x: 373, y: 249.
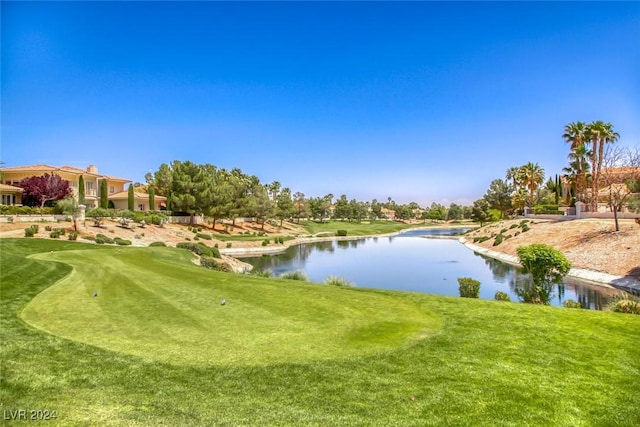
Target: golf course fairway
x: 156, y: 304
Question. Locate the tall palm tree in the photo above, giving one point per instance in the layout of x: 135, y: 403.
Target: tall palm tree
x: 532, y: 176
x: 599, y: 133
x: 513, y: 174
x: 575, y: 133
x: 579, y: 162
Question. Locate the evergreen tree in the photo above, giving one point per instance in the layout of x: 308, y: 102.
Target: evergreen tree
x: 130, y: 198
x: 81, y: 190
x: 104, y: 194
x: 152, y: 198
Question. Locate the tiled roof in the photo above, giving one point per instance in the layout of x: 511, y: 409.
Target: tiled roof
x: 136, y: 195
x: 67, y: 169
x: 10, y: 188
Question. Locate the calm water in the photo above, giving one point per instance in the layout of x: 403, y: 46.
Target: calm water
x: 410, y: 262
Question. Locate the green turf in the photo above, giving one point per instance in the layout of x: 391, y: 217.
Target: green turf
x: 154, y: 304
x: 484, y: 364
x: 366, y: 228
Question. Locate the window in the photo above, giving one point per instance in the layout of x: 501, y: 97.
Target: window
x: 141, y: 207
x: 112, y: 189
x: 8, y: 199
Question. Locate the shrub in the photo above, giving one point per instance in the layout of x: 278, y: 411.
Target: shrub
x: 216, y: 252
x: 468, y: 287
x: 504, y: 230
x: 338, y: 281
x: 212, y: 264
x: 229, y: 244
x: 341, y: 233
x: 122, y: 242
x: 295, y: 275
x: 197, y: 248
x: 481, y: 239
x: 265, y: 242
x: 625, y: 304
x: 547, y: 267
x: 501, y: 296
x: 157, y: 244
x: 263, y: 273
x: 571, y: 304
x: 104, y: 239
x: 204, y: 236
x: 73, y: 235
x: 55, y: 234
x: 513, y: 226
x: 31, y: 231
x: 47, y: 228
x: 498, y: 240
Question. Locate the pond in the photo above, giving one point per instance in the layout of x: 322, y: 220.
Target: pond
x: 411, y: 262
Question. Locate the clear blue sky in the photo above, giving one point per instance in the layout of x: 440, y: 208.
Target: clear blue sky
x: 420, y: 101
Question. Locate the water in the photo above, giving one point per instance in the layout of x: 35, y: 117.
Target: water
x: 411, y: 262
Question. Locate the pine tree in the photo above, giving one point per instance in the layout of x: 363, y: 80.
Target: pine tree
x: 152, y: 198
x: 104, y: 195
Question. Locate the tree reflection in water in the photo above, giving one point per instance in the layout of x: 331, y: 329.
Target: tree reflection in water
x: 589, y: 296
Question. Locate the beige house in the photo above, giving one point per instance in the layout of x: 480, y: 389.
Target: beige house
x: 141, y: 201
x: 11, y: 195
x: 11, y: 176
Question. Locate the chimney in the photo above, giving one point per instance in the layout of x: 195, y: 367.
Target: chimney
x: 92, y: 169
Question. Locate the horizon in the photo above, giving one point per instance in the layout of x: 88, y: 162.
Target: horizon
x: 421, y: 102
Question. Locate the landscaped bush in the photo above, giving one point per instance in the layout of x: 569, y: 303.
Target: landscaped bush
x: 197, y: 248
x: 480, y: 239
x: 295, y: 275
x: 47, y: 228
x: 31, y: 231
x: 122, y: 242
x: 341, y: 233
x: 263, y: 273
x: 513, y: 226
x: 571, y: 304
x: 468, y: 287
x: 525, y: 228
x: 216, y: 252
x: 55, y: 234
x: 229, y: 244
x: 101, y: 238
x: 265, y: 242
x: 547, y: 209
x: 204, y: 236
x: 212, y: 264
x: 498, y: 240
x: 157, y: 244
x: 73, y: 235
x: 338, y: 281
x: 625, y: 304
x: 501, y: 296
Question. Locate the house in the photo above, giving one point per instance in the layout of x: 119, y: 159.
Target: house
x: 140, y: 201
x: 11, y: 195
x: 12, y: 176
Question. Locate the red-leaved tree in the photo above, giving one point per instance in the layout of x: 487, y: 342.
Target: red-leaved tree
x: 40, y: 189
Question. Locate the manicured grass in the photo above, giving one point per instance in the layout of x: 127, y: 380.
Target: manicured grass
x: 366, y: 228
x: 409, y: 359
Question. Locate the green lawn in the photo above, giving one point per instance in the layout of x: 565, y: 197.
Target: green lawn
x: 365, y: 228
x: 156, y: 348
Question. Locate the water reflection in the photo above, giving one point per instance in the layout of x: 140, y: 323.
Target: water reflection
x: 410, y: 262
x: 589, y: 296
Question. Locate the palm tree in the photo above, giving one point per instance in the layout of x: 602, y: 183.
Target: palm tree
x: 532, y: 176
x: 580, y: 164
x: 599, y: 133
x: 575, y: 133
x: 513, y: 174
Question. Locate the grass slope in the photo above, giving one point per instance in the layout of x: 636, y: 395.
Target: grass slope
x: 155, y: 303
x: 489, y: 363
x: 355, y: 228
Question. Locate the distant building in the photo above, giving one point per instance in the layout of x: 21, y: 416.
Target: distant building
x: 12, y: 194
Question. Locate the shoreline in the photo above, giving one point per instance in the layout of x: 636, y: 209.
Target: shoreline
x: 625, y: 283
x: 597, y: 278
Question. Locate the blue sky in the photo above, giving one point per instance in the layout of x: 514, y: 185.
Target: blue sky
x: 420, y: 101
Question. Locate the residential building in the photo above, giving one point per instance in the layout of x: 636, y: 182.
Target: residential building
x: 92, y: 180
